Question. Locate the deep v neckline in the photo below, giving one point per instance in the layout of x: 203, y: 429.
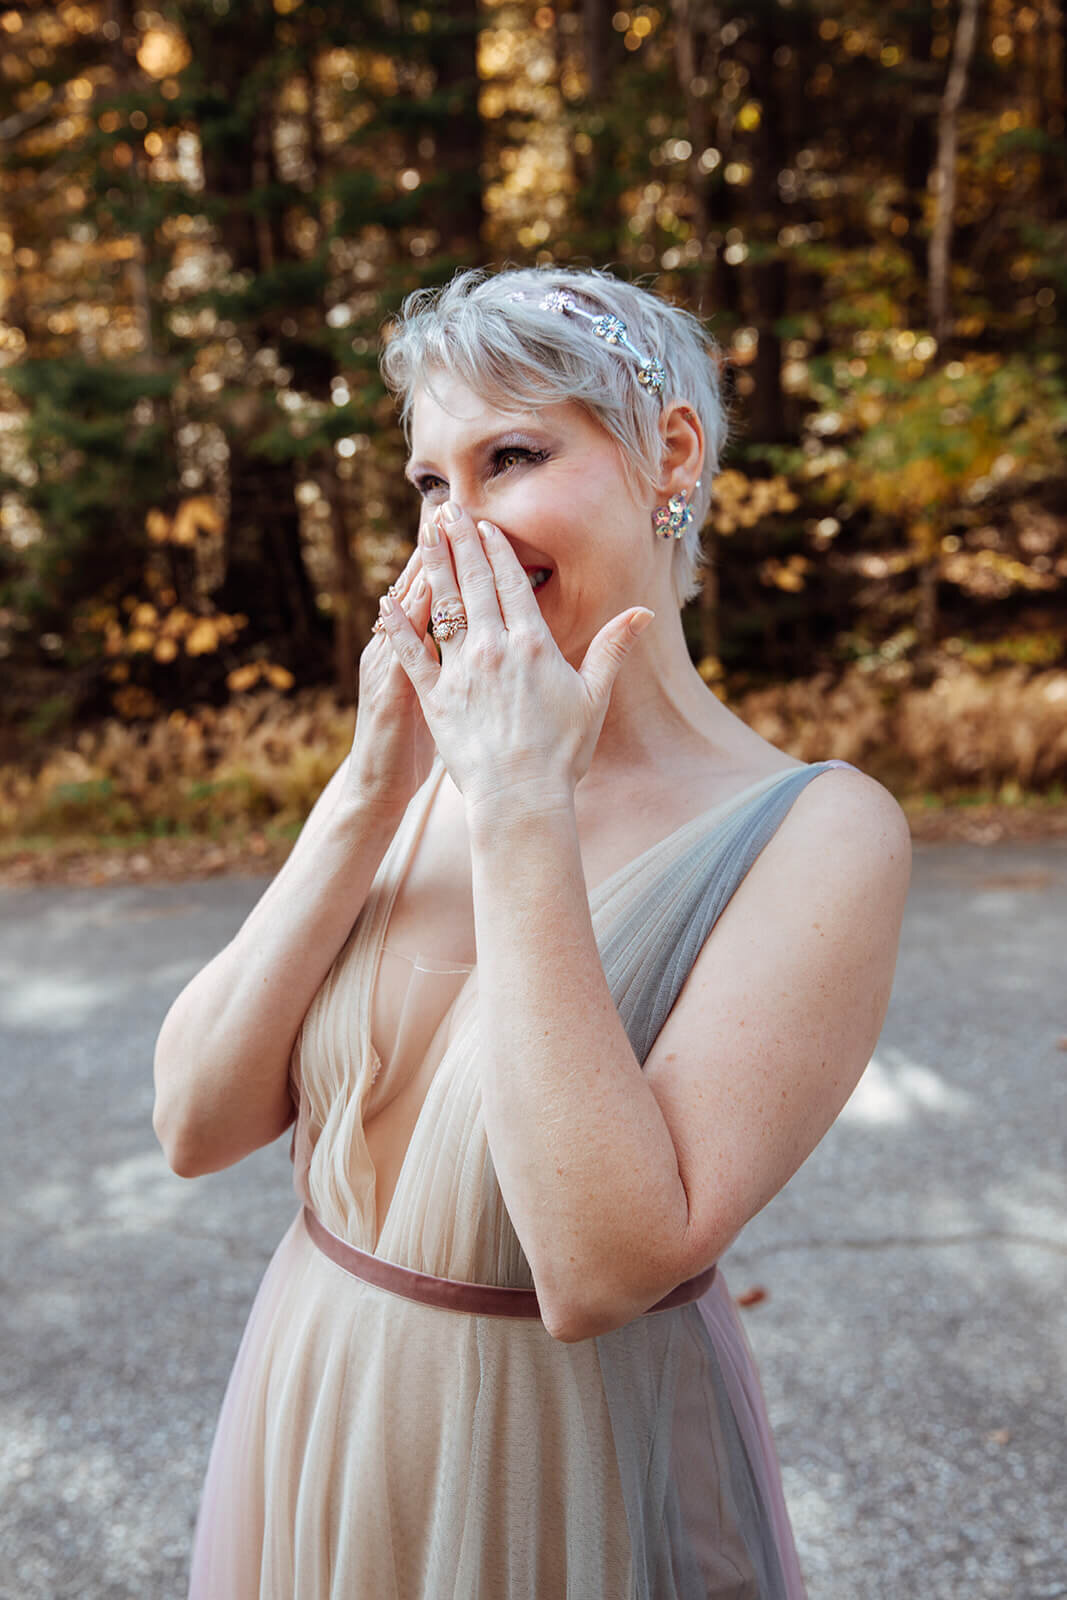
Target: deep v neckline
x: 727, y: 805
x: 598, y: 896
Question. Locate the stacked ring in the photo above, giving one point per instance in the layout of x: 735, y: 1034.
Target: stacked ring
x: 448, y: 619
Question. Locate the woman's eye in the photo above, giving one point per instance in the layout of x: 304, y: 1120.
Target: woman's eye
x: 503, y: 461
x: 503, y: 458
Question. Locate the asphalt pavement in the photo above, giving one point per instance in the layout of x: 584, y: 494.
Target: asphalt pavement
x: 911, y: 1330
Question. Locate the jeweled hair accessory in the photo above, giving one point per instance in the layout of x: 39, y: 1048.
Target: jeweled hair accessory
x: 651, y: 374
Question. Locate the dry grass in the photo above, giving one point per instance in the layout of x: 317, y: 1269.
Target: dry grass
x: 967, y: 731
x: 260, y: 762
x: 261, y: 758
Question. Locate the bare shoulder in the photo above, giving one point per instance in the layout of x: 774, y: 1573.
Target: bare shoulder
x: 843, y: 811
x: 839, y: 863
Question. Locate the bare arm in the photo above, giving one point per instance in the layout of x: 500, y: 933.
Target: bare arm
x: 622, y: 1183
x: 222, y: 1057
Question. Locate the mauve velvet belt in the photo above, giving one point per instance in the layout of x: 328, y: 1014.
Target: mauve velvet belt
x: 451, y: 1294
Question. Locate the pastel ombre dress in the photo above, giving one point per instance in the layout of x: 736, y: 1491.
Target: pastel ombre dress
x: 387, y: 1435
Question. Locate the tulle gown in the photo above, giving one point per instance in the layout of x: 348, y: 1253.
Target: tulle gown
x: 373, y: 1446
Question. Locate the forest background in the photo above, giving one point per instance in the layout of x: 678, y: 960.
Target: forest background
x: 211, y: 208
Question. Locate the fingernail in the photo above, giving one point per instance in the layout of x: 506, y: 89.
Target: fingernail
x: 385, y: 606
x: 452, y: 512
x: 419, y: 589
x: 430, y: 535
x: 640, y: 620
x: 489, y: 530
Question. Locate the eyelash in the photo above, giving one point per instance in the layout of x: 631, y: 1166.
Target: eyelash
x: 520, y: 450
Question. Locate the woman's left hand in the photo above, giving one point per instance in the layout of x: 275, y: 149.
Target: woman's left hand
x: 510, y: 717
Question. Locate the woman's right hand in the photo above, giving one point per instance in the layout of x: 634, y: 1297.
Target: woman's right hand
x: 392, y: 750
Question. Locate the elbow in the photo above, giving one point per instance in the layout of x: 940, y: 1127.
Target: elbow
x: 571, y: 1323
x: 586, y: 1308
x: 568, y: 1324
x: 574, y: 1315
x: 178, y: 1151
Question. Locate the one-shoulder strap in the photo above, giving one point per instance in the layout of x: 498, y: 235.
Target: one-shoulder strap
x: 684, y: 907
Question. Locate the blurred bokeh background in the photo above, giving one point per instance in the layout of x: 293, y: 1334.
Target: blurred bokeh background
x: 210, y: 210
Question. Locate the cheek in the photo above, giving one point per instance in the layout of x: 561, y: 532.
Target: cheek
x: 572, y: 506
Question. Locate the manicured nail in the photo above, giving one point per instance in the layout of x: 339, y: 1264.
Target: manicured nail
x: 452, y: 512
x: 385, y: 606
x: 419, y: 589
x: 640, y: 620
x: 430, y: 535
x: 489, y: 530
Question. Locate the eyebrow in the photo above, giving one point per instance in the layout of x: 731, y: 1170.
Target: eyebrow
x: 511, y: 436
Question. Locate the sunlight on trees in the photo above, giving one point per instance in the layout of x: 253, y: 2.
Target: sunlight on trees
x: 211, y: 210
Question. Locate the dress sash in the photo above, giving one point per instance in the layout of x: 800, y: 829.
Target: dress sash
x: 452, y: 1294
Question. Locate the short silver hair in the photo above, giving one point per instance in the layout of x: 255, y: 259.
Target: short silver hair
x: 519, y: 357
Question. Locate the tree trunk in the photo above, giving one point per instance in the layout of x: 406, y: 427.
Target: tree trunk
x: 919, y: 144
x: 459, y: 213
x: 266, y: 575
x: 597, y: 200
x: 347, y: 591
x: 943, y: 177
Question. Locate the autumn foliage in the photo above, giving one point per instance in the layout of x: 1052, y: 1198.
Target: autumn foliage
x: 212, y: 210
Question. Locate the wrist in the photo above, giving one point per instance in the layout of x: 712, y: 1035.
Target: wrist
x: 366, y: 812
x: 507, y: 812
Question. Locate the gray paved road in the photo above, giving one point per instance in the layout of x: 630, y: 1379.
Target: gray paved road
x: 912, y: 1338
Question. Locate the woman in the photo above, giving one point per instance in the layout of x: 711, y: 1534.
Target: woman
x: 567, y: 974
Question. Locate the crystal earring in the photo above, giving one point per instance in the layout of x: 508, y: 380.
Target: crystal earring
x: 671, y: 521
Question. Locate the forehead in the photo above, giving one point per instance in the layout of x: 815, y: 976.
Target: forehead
x: 445, y: 412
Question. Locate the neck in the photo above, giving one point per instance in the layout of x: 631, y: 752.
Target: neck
x: 662, y: 715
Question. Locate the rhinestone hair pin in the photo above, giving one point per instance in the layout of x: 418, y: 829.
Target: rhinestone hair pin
x: 650, y: 372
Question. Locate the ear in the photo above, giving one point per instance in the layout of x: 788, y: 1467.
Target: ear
x: 683, y: 448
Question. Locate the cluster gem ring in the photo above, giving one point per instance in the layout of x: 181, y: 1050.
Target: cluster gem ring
x: 448, y: 619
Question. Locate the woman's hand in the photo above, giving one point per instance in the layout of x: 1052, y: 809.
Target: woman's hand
x: 510, y: 717
x: 392, y: 749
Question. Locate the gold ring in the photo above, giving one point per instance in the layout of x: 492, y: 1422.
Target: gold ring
x: 449, y: 618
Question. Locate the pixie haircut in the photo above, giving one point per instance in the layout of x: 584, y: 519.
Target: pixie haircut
x: 519, y: 357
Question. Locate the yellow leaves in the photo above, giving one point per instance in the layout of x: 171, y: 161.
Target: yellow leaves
x: 989, y: 574
x: 134, y: 704
x: 741, y: 502
x: 243, y: 678
x: 789, y: 575
x: 870, y: 410
x: 202, y: 638
x: 246, y: 677
x: 199, y: 514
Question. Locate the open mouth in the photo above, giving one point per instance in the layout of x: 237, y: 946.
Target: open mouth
x: 538, y: 576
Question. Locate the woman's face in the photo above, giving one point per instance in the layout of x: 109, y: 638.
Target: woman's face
x: 552, y: 481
